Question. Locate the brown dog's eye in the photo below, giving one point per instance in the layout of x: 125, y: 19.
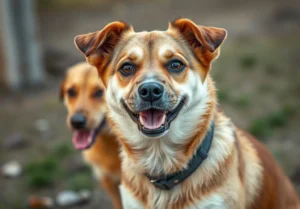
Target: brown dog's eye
x: 175, y: 66
x: 127, y: 69
x: 71, y: 92
x: 98, y: 93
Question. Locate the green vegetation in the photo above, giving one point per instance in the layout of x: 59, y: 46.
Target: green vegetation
x: 291, y: 110
x: 262, y: 127
x: 248, y: 61
x: 277, y: 119
x: 42, y: 173
x: 48, y: 171
x: 62, y: 150
x: 223, y: 96
x: 79, y: 181
x: 242, y: 102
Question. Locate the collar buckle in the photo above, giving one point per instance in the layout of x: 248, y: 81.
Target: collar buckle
x: 162, y: 184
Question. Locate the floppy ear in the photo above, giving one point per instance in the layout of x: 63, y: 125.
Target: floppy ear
x: 98, y: 46
x: 62, y: 91
x: 204, y: 41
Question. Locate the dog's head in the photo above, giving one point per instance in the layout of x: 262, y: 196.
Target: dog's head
x: 83, y: 96
x: 156, y: 78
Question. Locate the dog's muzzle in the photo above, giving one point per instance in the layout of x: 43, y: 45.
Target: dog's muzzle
x: 153, y: 112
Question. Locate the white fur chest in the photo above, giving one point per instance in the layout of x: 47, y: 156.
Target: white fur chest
x: 128, y: 200
x: 211, y: 202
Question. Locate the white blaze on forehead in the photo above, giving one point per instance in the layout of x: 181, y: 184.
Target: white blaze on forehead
x: 164, y: 49
x: 136, y: 51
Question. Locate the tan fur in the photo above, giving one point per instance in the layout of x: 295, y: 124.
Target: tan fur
x: 238, y: 174
x: 103, y: 156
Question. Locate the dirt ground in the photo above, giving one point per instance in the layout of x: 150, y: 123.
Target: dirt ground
x: 257, y: 76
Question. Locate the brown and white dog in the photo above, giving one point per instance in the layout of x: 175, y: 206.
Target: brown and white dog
x: 162, y: 104
x: 83, y: 95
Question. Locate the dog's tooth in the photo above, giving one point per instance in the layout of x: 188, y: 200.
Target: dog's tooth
x: 164, y: 118
x: 141, y: 121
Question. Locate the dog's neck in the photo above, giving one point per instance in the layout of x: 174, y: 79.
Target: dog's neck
x: 164, y: 156
x: 106, y: 130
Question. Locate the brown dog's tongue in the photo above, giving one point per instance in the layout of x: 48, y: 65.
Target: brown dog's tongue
x: 152, y: 119
x: 82, y: 139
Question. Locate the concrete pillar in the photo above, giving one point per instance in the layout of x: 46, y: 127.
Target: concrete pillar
x: 20, y: 44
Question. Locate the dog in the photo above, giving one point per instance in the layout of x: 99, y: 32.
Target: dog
x: 83, y: 95
x: 179, y: 150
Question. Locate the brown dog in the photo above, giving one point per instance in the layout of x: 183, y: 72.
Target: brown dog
x: 83, y: 95
x: 179, y: 151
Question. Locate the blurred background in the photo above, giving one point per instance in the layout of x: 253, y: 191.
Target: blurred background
x: 257, y: 76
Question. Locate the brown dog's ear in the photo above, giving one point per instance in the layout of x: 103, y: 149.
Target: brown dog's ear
x: 62, y: 91
x: 98, y: 46
x: 204, y: 41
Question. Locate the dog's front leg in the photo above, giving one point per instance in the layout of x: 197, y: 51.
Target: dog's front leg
x: 111, y: 186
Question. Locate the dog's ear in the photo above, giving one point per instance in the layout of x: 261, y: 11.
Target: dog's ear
x: 98, y: 46
x: 62, y: 90
x: 204, y: 41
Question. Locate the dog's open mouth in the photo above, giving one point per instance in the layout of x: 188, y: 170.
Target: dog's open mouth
x: 84, y: 139
x: 154, y: 122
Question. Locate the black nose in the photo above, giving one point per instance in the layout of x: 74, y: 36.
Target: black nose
x: 151, y: 91
x: 78, y: 121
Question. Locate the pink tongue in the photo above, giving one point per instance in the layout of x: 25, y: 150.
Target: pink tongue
x: 152, y: 119
x: 81, y: 139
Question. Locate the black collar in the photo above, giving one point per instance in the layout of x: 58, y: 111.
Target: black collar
x: 101, y: 126
x: 168, y: 182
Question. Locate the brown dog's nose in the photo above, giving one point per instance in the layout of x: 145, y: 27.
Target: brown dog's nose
x: 151, y: 91
x: 78, y: 121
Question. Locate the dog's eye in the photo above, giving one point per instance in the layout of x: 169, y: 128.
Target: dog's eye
x: 71, y: 92
x: 98, y: 93
x: 175, y: 66
x: 127, y: 69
